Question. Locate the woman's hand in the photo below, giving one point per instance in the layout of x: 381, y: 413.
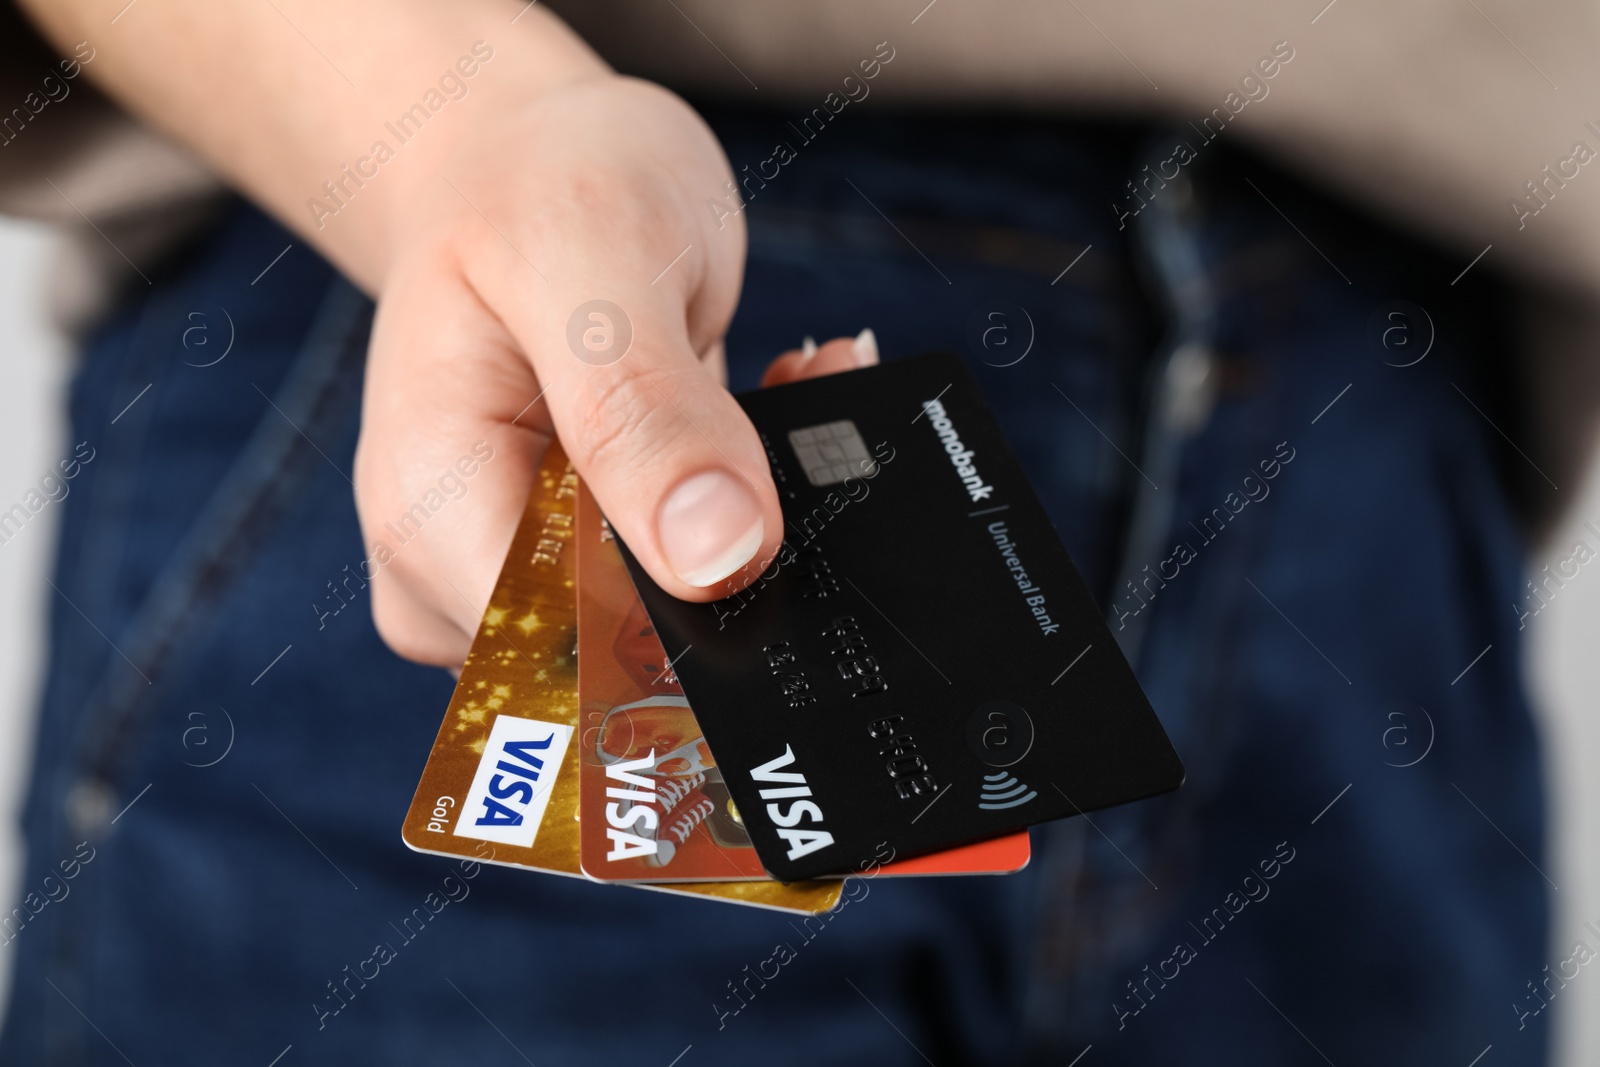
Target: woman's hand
x: 562, y: 273
x: 554, y: 250
x: 488, y: 330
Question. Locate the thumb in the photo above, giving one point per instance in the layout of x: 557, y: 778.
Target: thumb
x: 673, y: 461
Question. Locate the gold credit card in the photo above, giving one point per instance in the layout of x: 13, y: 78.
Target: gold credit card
x: 502, y: 782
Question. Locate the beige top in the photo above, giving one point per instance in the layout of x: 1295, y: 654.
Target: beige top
x: 1465, y: 119
x: 1435, y: 112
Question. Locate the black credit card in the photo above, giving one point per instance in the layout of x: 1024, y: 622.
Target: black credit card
x: 921, y: 664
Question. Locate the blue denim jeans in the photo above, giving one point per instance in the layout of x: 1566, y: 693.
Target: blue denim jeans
x: 1307, y: 550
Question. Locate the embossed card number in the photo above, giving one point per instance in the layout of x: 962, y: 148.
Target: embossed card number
x: 892, y: 642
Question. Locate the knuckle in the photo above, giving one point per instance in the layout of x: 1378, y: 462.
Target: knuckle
x: 395, y: 626
x: 619, y: 419
x: 410, y: 630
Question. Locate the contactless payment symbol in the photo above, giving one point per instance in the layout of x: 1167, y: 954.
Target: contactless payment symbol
x: 1002, y: 790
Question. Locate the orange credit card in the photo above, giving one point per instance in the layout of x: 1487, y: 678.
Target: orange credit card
x: 501, y: 784
x: 655, y: 806
x: 654, y: 803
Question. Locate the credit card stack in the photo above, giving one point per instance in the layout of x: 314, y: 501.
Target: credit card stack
x: 916, y: 678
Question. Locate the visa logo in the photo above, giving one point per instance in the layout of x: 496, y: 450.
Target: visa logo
x: 512, y: 785
x: 801, y: 842
x: 626, y: 812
